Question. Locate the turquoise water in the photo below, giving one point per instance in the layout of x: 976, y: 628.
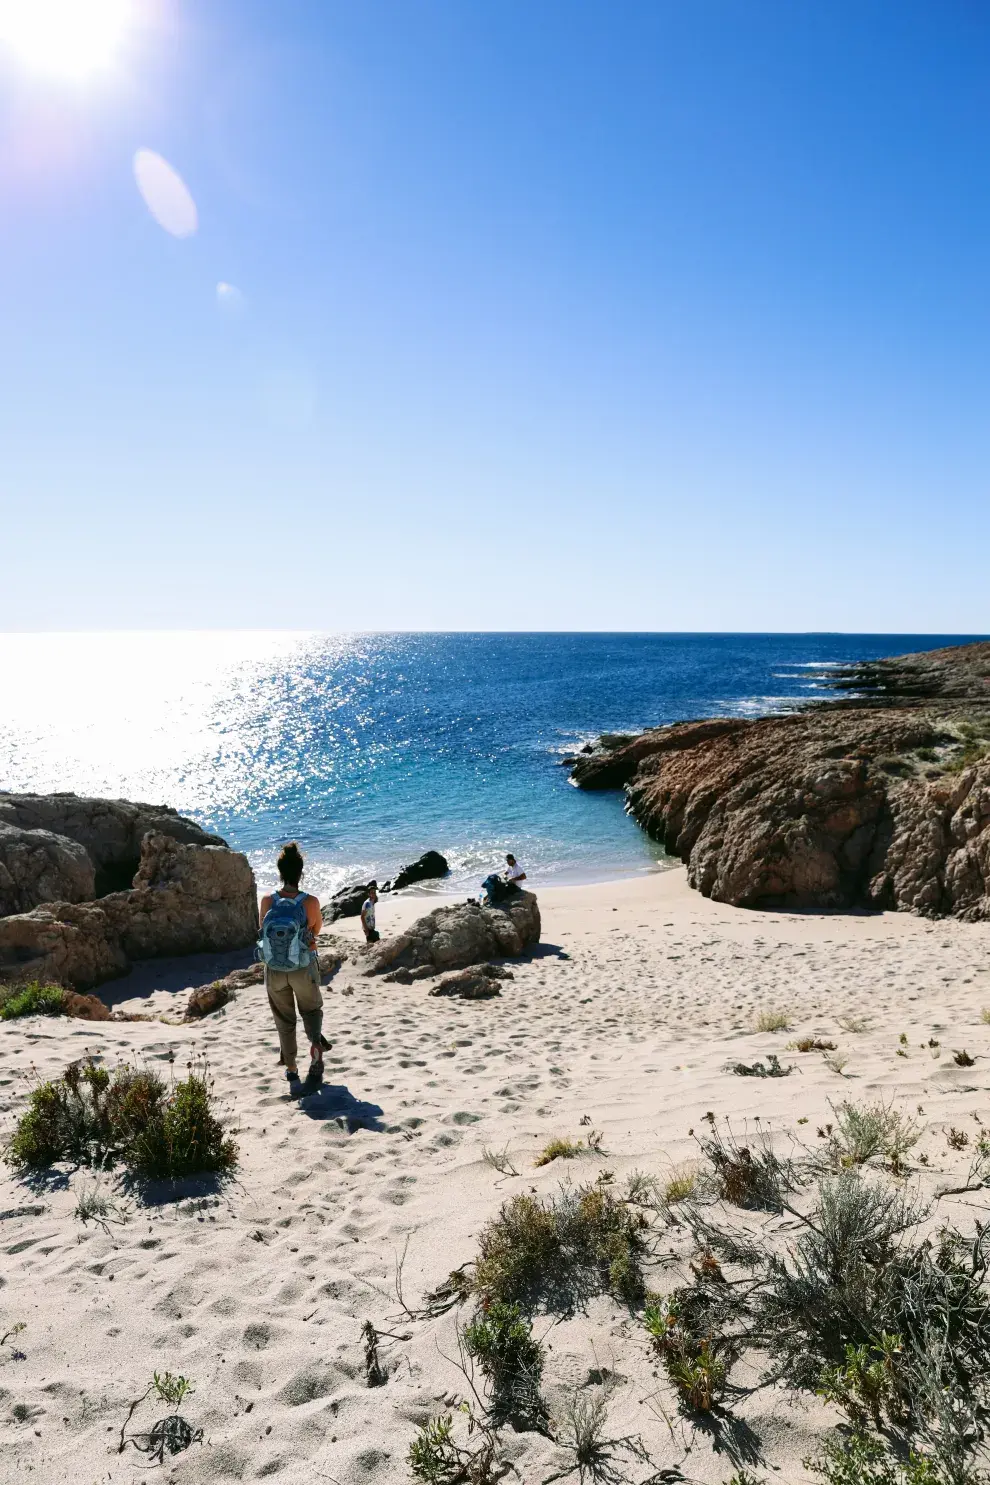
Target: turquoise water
x: 370, y: 749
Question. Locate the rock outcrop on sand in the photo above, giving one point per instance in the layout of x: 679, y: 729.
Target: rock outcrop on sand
x: 345, y: 903
x: 881, y: 800
x: 110, y: 832
x: 456, y: 936
x: 477, y: 982
x: 187, y: 898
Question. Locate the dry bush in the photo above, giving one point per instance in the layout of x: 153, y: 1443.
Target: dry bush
x: 810, y: 1044
x: 773, y: 1018
x: 558, y: 1149
x: 561, y: 1249
x: 747, y: 1173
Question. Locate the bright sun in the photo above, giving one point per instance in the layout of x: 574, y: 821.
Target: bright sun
x: 69, y: 37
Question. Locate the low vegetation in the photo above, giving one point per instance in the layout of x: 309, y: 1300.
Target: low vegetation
x: 500, y: 1338
x: 865, y: 1131
x: 33, y: 999
x: 773, y: 1018
x: 558, y: 1149
x: 561, y: 1249
x: 90, y: 1116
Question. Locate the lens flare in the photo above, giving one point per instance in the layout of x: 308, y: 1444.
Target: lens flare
x: 70, y: 38
x: 166, y: 194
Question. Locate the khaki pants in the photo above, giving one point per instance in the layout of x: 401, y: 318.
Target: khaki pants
x: 288, y: 989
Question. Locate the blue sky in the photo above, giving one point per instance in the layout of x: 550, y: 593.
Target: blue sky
x: 564, y: 315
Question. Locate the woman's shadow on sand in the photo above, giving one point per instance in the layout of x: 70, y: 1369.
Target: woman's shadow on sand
x: 334, y: 1101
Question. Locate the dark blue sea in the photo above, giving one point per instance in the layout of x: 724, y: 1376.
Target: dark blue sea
x: 370, y: 749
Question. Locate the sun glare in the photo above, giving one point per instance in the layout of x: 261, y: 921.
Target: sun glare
x: 71, y: 38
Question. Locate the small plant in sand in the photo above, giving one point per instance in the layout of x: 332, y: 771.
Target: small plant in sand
x: 985, y: 1015
x: 437, y: 1459
x: 691, y: 1361
x: 747, y: 1173
x: 558, y: 1149
x: 579, y: 1423
x: 169, y: 1435
x: 33, y: 999
x: 682, y: 1182
x: 861, y: 1459
x: 15, y: 1330
x: 956, y: 1139
x: 855, y: 1025
x: 769, y: 1069
x: 835, y: 1062
x: 863, y: 1131
x: 963, y: 1059
x: 499, y: 1160
x: 94, y: 1204
x: 866, y: 1384
x: 810, y: 1044
x: 773, y: 1018
x: 92, y: 1117
x: 583, y: 1241
x: 501, y: 1340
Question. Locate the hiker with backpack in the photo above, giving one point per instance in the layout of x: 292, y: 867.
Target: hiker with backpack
x: 290, y: 921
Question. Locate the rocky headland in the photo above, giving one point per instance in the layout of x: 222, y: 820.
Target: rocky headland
x: 877, y: 799
x: 87, y: 886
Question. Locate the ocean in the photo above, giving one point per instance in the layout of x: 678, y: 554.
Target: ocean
x: 370, y: 749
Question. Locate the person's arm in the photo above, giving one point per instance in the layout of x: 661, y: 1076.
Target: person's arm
x: 266, y: 903
x: 314, y: 917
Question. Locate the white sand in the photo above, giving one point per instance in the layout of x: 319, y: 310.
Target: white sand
x: 641, y: 995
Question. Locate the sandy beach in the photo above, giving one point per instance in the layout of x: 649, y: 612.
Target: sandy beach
x: 623, y: 1023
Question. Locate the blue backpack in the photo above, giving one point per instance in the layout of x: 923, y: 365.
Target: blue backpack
x: 284, y: 942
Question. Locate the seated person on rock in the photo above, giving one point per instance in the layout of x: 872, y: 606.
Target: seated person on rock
x: 290, y: 921
x: 514, y: 873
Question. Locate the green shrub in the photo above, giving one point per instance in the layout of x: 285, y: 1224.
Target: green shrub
x: 31, y: 1000
x: 564, y: 1247
x: 861, y: 1459
x: 180, y: 1137
x: 867, y: 1130
x: 866, y: 1385
x: 91, y: 1117
x: 501, y: 1339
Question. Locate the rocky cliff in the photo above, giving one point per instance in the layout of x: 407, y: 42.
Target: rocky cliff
x: 880, y: 799
x: 182, y: 890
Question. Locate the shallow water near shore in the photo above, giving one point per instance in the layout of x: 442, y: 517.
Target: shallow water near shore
x: 370, y: 749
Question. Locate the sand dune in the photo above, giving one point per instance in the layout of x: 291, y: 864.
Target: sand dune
x: 640, y: 996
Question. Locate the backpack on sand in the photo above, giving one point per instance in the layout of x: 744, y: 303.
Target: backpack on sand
x: 284, y: 933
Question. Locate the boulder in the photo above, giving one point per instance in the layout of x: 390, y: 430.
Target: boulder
x: 208, y: 998
x: 477, y: 982
x: 466, y: 933
x: 86, y: 1007
x: 38, y: 866
x: 109, y: 830
x: 429, y: 866
x: 62, y: 943
x: 186, y: 899
x: 346, y: 903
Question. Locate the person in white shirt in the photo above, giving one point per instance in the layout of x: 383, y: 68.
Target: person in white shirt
x: 368, y: 914
x: 514, y: 872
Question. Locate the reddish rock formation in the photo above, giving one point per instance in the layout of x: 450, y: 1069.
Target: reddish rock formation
x: 882, y: 800
x: 187, y: 899
x: 465, y: 933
